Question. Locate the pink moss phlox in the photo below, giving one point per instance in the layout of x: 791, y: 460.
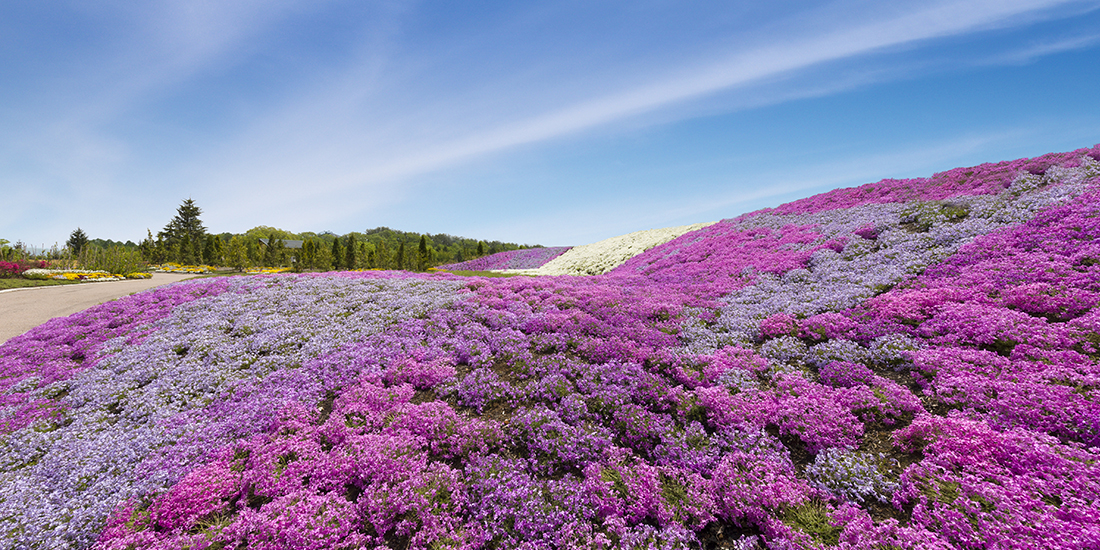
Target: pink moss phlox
x: 779, y: 324
x: 825, y: 326
x: 978, y: 486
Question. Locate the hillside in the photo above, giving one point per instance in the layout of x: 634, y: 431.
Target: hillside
x: 906, y: 364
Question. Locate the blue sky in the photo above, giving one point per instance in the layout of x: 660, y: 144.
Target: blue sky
x: 556, y: 122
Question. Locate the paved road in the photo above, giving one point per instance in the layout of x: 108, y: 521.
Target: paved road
x: 25, y: 308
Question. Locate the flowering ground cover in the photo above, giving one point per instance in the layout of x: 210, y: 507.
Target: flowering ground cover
x: 528, y: 258
x: 915, y: 367
x: 171, y: 267
x: 601, y: 257
x: 87, y: 275
x: 18, y: 267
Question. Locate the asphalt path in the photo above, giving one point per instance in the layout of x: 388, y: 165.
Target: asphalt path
x: 22, y: 309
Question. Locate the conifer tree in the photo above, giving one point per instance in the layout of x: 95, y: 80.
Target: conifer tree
x: 309, y: 255
x: 185, y: 234
x: 383, y: 257
x: 148, y: 248
x: 480, y: 249
x: 219, y: 248
x: 324, y: 257
x: 273, y: 255
x: 350, y: 250
x: 399, y: 258
x: 337, y: 254
x: 77, y: 241
x: 422, y: 257
x: 210, y: 251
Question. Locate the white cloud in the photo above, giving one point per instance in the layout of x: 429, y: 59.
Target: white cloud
x: 670, y: 88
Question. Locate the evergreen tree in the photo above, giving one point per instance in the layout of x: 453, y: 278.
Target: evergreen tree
x: 337, y: 254
x: 383, y: 257
x: 372, y: 258
x: 185, y: 234
x: 77, y: 241
x: 219, y: 249
x: 274, y: 252
x: 324, y: 257
x: 480, y: 249
x: 309, y: 255
x: 210, y: 251
x: 350, y: 250
x: 399, y: 258
x: 423, y: 257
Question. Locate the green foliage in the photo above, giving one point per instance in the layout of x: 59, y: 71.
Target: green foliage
x: 813, y: 519
x: 274, y: 251
x: 77, y: 241
x: 213, y: 252
x: 236, y: 254
x: 922, y: 215
x: 184, y: 237
x: 350, y: 250
x: 118, y: 260
x: 337, y: 254
x: 424, y: 254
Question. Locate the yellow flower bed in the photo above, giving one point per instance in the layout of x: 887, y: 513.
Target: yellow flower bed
x: 172, y: 267
x: 71, y: 275
x: 257, y: 270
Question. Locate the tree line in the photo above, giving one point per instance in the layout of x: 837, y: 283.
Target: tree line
x: 186, y: 240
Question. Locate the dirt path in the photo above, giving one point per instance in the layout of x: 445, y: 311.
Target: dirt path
x: 22, y: 309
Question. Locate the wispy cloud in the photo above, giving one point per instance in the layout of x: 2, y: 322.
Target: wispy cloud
x: 1042, y: 49
x: 376, y: 116
x: 676, y: 86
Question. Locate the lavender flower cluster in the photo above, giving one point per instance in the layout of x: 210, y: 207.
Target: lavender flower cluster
x: 909, y: 366
x: 528, y: 258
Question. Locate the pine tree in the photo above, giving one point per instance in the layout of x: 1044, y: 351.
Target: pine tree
x: 399, y: 258
x: 77, y: 241
x: 275, y: 252
x: 185, y: 234
x: 309, y: 255
x: 324, y: 257
x: 372, y: 258
x: 423, y: 257
x: 219, y: 249
x: 210, y: 251
x: 383, y: 257
x: 350, y: 250
x: 148, y: 248
x: 480, y: 249
x: 337, y: 254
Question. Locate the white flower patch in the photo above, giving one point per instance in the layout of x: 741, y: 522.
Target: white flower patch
x: 601, y: 257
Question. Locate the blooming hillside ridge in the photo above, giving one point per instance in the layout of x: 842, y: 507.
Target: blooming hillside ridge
x: 910, y: 365
x: 601, y: 257
x: 529, y: 258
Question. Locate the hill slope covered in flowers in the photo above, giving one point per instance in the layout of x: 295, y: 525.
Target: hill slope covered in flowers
x: 907, y: 364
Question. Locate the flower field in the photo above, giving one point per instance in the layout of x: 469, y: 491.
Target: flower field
x: 84, y: 275
x: 907, y: 364
x: 601, y: 257
x: 529, y: 258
